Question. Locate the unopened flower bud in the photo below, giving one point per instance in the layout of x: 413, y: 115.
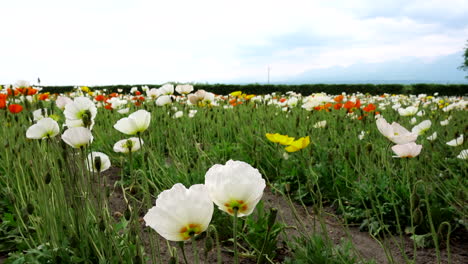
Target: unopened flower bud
x: 272, y: 217
x: 30, y: 208
x: 47, y: 178
x: 97, y: 163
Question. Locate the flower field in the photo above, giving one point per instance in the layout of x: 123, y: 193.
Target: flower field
x: 180, y: 175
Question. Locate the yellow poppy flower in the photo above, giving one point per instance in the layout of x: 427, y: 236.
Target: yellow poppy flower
x: 282, y: 139
x: 236, y: 93
x: 298, y: 144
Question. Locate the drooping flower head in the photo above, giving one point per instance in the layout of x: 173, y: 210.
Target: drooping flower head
x: 181, y: 213
x: 97, y: 161
x: 408, y: 150
x: 77, y: 137
x: 235, y: 186
x: 395, y: 132
x: 128, y: 145
x: 456, y: 142
x: 135, y: 123
x: 44, y: 128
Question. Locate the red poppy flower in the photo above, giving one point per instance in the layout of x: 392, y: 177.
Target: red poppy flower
x: 3, y: 98
x: 369, y: 108
x: 100, y: 98
x: 137, y: 93
x: 15, y: 108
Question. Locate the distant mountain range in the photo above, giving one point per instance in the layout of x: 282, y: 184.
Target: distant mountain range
x: 406, y: 71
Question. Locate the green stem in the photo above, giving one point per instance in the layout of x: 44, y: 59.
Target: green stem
x: 236, y: 257
x: 195, y: 250
x: 181, y: 245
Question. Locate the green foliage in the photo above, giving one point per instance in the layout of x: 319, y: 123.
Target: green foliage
x: 45, y: 253
x: 316, y: 249
x: 261, y: 232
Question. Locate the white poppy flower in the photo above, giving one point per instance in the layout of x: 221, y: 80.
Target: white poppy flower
x: 413, y: 121
x: 181, y: 213
x: 236, y: 185
x: 44, y: 128
x: 22, y: 84
x: 208, y: 98
x: 98, y: 162
x: 456, y: 142
x: 153, y: 93
x: 178, y: 114
x: 444, y: 122
x: 82, y: 108
x: 422, y: 127
x: 432, y: 137
x: 192, y: 113
x: 40, y: 114
x: 77, y: 137
x: 463, y: 154
x: 163, y: 100
x: 395, y: 132
x: 408, y: 150
x: 409, y: 111
x: 127, y: 145
x: 62, y: 101
x: 133, y: 90
x: 166, y: 89
x: 362, y: 135
x: 315, y: 100
x: 184, y: 88
x: 320, y: 124
x: 135, y: 123
x: 292, y: 102
x: 123, y: 111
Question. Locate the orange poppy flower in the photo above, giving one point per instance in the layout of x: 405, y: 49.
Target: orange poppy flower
x: 43, y: 96
x: 12, y: 92
x: 337, y: 106
x: 15, y: 108
x: 369, y: 108
x: 338, y: 98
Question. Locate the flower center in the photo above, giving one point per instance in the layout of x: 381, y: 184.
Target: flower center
x: 189, y: 231
x: 239, y: 205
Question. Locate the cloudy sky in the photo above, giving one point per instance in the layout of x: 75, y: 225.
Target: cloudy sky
x: 93, y: 42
